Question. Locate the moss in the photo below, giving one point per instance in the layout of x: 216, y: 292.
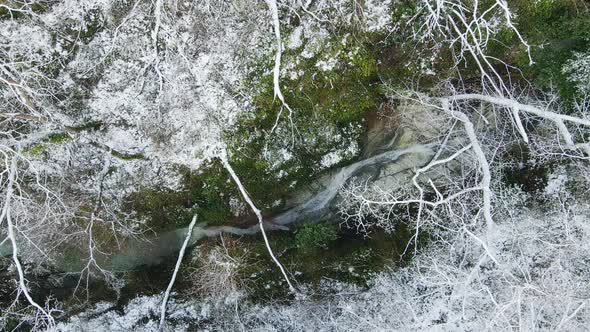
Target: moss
x: 118, y: 154
x: 562, y: 28
x: 207, y: 193
x: 41, y: 150
x: 59, y: 138
x: 314, y: 236
x: 162, y: 208
x: 37, y: 7
x: 90, y: 126
x: 351, y: 258
x: 72, y: 259
x: 523, y: 172
x: 212, y: 190
x: 119, y: 10
x: 404, y: 9
x: 554, y: 29
x: 326, y: 105
x: 341, y: 94
x: 69, y: 37
x: 148, y: 280
x: 528, y: 178
x: 328, y: 110
x: 37, y: 150
x: 127, y: 156
x: 94, y: 22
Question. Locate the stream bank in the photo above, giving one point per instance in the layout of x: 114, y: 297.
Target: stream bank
x: 347, y: 256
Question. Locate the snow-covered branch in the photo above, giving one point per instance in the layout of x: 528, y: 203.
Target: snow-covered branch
x: 469, y: 26
x: 189, y: 233
x: 6, y: 218
x: 258, y: 214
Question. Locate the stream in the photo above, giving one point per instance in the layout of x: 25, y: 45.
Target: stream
x: 145, y: 260
x: 317, y: 205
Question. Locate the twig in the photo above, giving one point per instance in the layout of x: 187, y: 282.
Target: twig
x: 176, y: 268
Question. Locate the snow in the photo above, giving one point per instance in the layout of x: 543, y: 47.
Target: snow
x: 556, y: 183
x: 327, y: 64
x: 106, y: 99
x: 123, y: 141
x: 334, y: 157
x: 331, y: 159
x: 377, y: 14
x: 578, y: 70
x: 172, y: 105
x: 137, y: 316
x: 296, y: 38
x: 73, y: 11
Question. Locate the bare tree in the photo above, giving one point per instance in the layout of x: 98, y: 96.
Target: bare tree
x: 455, y: 199
x: 468, y: 27
x: 258, y: 214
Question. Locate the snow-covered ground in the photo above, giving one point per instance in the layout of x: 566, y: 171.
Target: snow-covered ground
x: 103, y: 99
x: 542, y: 280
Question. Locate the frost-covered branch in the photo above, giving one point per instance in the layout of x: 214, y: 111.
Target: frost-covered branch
x: 469, y: 26
x: 438, y: 196
x: 176, y: 269
x: 516, y: 107
x: 272, y: 6
x: 258, y: 214
x: 6, y: 218
x: 481, y: 158
x: 92, y: 262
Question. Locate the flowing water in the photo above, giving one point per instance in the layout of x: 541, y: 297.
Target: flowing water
x: 317, y: 206
x: 149, y: 261
x: 163, y: 246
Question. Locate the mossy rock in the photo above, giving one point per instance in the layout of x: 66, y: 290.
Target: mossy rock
x: 206, y: 193
x: 276, y: 152
x: 314, y: 236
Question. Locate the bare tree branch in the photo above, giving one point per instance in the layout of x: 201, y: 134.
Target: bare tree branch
x: 256, y: 211
x: 176, y: 269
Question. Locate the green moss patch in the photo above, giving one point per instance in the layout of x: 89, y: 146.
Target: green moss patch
x: 340, y: 255
x: 208, y: 193
x: 59, y: 138
x: 42, y: 150
x: 556, y: 29
x: 276, y: 152
x: 315, y: 236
